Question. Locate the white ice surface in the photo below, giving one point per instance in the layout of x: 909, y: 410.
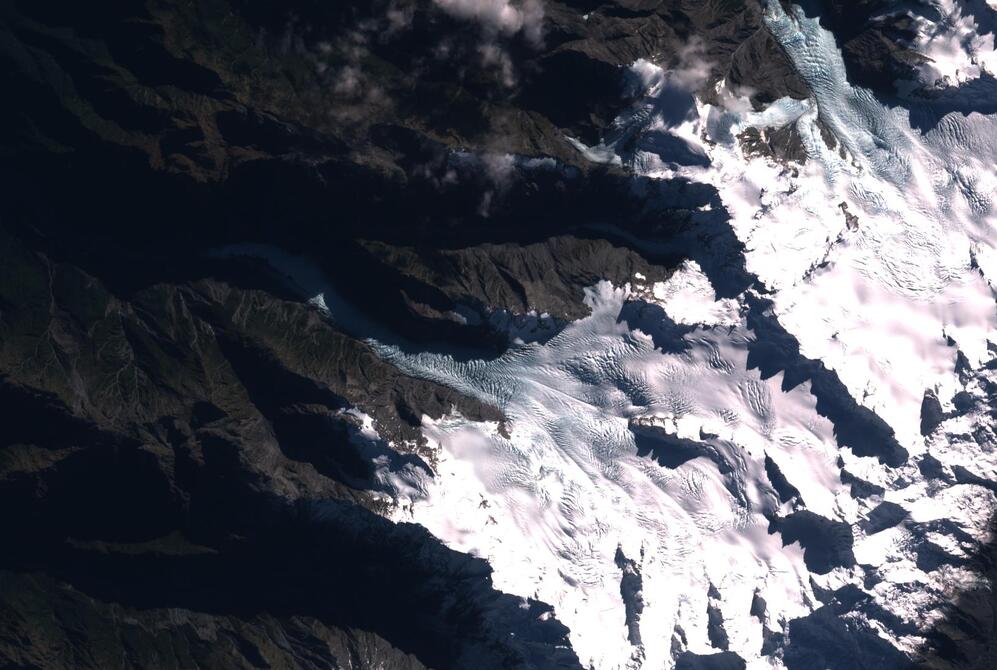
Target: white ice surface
x: 550, y: 497
x: 549, y: 505
x: 879, y: 304
x: 956, y: 48
x: 689, y: 298
x: 890, y: 305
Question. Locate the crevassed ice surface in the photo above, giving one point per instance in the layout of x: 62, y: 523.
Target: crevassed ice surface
x: 565, y: 498
x: 565, y: 502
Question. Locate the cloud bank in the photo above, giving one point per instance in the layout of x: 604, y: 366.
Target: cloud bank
x: 500, y: 16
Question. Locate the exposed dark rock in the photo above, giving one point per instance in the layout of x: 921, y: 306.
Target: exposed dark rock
x: 782, y: 144
x: 855, y: 426
x: 825, y: 640
x: 715, y: 628
x: 931, y: 413
x: 758, y: 607
x: 274, y: 563
x: 93, y: 634
x: 874, y: 37
x: 631, y: 585
x: 930, y: 557
x: 964, y: 476
x: 929, y: 106
x: 931, y: 467
x: 885, y: 515
x: 725, y: 660
x: 851, y: 221
x: 651, y: 319
x: 967, y: 636
x: 671, y: 450
x: 787, y: 492
x: 761, y: 67
x: 860, y: 488
x: 543, y: 276
x: 826, y: 544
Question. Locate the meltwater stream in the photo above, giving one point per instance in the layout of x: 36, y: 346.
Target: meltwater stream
x: 665, y: 495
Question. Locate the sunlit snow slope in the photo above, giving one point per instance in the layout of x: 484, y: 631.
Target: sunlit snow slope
x: 679, y: 473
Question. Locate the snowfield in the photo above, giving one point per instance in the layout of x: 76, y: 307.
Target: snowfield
x: 665, y: 486
x: 679, y: 472
x: 572, y: 487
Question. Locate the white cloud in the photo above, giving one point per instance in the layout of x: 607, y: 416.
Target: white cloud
x: 533, y: 17
x: 399, y: 18
x: 500, y: 16
x: 494, y: 56
x: 499, y: 167
x: 693, y: 66
x: 348, y: 82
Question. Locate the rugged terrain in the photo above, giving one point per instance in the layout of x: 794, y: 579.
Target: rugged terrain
x: 198, y: 460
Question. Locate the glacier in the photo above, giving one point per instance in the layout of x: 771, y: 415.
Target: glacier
x: 555, y: 496
x: 681, y: 472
